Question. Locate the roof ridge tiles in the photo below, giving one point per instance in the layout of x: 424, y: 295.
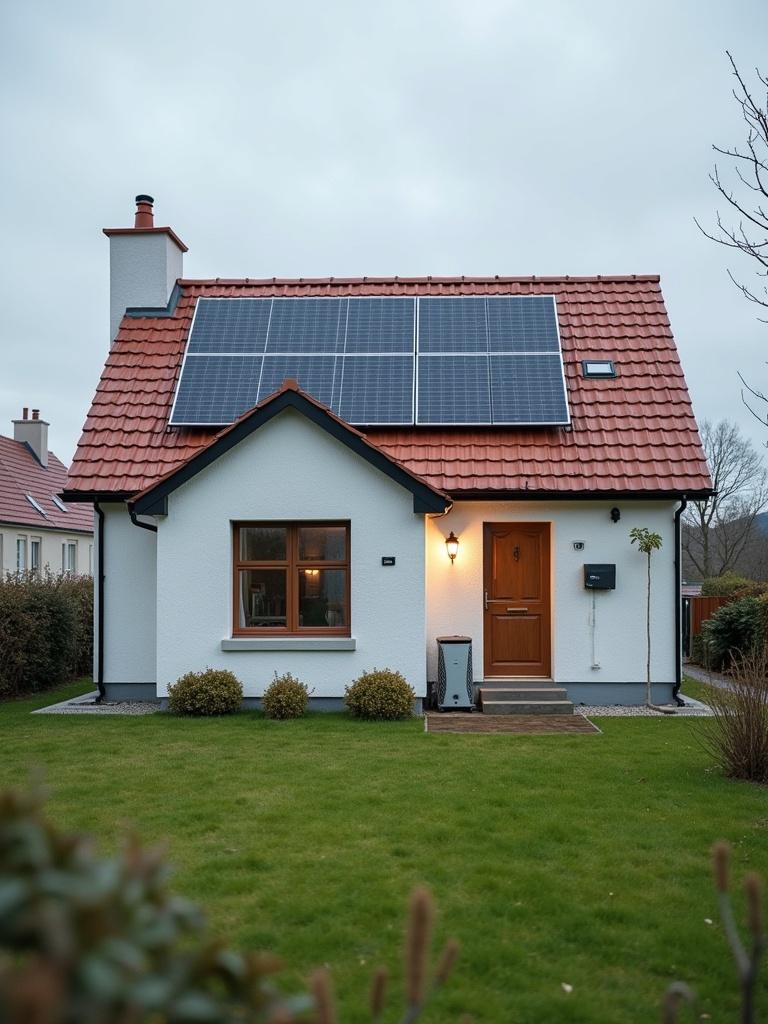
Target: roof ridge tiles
x: 428, y: 279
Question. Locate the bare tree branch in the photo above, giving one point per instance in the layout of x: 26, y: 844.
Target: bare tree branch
x: 719, y: 530
x: 749, y: 235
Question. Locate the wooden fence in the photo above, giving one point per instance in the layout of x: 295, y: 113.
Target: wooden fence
x: 697, y: 610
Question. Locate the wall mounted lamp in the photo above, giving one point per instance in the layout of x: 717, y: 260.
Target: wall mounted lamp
x: 615, y: 515
x: 452, y: 545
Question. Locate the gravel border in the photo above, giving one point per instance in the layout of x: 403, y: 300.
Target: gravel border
x: 86, y: 705
x: 692, y: 709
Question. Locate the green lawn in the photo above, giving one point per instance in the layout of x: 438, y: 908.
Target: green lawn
x: 693, y: 688
x: 576, y: 859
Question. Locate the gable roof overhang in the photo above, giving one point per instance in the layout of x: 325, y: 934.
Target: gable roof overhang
x: 153, y: 500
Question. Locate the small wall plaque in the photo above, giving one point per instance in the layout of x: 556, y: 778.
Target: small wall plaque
x: 387, y: 559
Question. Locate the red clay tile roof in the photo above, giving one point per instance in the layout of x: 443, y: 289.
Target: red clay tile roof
x: 632, y: 434
x: 21, y: 474
x: 251, y: 420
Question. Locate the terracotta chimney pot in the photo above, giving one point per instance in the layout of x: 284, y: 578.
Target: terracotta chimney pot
x: 35, y: 414
x: 145, y: 217
x: 25, y: 413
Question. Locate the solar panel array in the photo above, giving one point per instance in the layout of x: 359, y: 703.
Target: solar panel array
x: 378, y: 360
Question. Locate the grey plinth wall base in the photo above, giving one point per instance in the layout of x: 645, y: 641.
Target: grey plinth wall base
x: 131, y: 691
x: 322, y: 704
x: 315, y: 704
x: 295, y: 643
x: 618, y: 693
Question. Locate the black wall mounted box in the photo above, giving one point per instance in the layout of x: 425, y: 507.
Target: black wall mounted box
x: 600, y: 577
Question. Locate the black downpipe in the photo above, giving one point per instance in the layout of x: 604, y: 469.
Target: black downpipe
x: 678, y: 602
x: 100, y: 605
x: 137, y: 522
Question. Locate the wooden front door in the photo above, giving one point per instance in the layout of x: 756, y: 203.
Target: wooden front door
x: 517, y: 638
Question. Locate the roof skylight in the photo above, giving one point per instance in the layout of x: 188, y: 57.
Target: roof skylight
x: 37, y: 506
x: 59, y: 503
x: 598, y: 368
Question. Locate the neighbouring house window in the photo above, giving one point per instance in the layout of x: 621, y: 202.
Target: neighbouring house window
x: 21, y: 554
x: 35, y: 549
x: 69, y: 556
x: 291, y: 578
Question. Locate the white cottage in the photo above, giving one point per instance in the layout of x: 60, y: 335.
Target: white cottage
x: 325, y: 476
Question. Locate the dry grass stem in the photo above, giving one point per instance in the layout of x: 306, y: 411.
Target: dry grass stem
x: 737, y: 734
x: 378, y: 992
x: 753, y: 887
x: 447, y: 961
x: 322, y: 993
x: 420, y: 921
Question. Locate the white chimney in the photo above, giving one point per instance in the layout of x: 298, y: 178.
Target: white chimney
x: 144, y: 263
x: 33, y: 432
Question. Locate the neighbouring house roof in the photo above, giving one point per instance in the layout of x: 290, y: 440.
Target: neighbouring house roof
x: 21, y: 475
x: 290, y: 396
x: 634, y: 434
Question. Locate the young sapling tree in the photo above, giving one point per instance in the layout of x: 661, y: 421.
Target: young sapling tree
x: 647, y: 542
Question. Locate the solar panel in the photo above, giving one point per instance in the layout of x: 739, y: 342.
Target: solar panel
x: 380, y: 324
x: 377, y: 389
x: 481, y: 359
x: 528, y: 324
x: 454, y: 389
x: 527, y: 389
x: 215, y: 390
x: 307, y: 325
x: 453, y: 325
x: 315, y: 374
x: 230, y: 326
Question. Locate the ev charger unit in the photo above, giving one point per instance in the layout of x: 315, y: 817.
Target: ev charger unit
x: 600, y: 577
x: 454, y: 673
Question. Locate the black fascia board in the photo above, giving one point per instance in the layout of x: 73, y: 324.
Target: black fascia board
x: 89, y: 497
x: 158, y: 311
x: 425, y: 500
x: 46, y: 526
x: 580, y: 495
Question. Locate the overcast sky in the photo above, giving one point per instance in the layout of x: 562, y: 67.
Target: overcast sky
x: 307, y: 138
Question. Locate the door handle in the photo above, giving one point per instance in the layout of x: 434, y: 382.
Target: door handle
x: 486, y: 600
x: 516, y: 611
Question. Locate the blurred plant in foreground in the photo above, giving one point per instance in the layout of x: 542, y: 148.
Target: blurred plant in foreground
x: 747, y: 958
x: 87, y: 938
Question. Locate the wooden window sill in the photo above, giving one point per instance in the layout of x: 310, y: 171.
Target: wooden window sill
x: 289, y: 643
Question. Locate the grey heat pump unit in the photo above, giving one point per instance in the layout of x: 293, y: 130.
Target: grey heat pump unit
x: 454, y: 673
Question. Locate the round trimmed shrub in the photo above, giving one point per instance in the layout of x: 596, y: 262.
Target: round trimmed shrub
x: 734, y: 631
x: 382, y: 695
x: 285, y: 697
x: 213, y: 692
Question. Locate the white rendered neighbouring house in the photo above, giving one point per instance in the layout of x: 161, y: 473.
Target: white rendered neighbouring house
x: 276, y: 466
x: 39, y: 533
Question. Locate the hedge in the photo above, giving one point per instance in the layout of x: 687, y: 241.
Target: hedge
x: 46, y: 631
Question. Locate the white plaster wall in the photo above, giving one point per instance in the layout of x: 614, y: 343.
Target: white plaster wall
x: 290, y: 469
x: 455, y: 593
x: 51, y: 547
x: 129, y: 599
x: 143, y: 269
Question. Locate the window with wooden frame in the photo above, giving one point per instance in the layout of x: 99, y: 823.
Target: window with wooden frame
x: 291, y: 579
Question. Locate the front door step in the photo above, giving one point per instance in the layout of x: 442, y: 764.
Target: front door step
x: 520, y: 700
x: 537, y: 694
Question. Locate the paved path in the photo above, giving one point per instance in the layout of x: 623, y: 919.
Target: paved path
x: 703, y: 675
x: 538, y: 725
